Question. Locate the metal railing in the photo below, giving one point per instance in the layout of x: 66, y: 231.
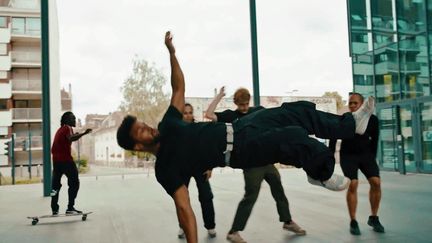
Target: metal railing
x: 26, y: 56
x: 26, y: 85
x: 26, y: 113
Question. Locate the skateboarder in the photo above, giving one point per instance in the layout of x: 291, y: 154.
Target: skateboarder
x: 63, y: 163
x: 264, y: 137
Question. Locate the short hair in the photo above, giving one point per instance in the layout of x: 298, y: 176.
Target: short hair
x: 241, y: 95
x: 188, y: 104
x: 358, y: 94
x: 64, y: 118
x: 124, y: 139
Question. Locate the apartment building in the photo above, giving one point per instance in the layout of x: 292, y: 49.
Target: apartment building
x: 21, y: 79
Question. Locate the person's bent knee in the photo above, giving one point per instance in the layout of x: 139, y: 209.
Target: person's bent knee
x: 375, y: 183
x: 353, y: 186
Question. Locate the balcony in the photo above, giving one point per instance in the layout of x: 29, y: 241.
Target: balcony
x: 5, y: 118
x: 5, y: 90
x: 20, y: 6
x: 27, y: 115
x: 26, y: 88
x: 26, y: 59
x: 36, y: 143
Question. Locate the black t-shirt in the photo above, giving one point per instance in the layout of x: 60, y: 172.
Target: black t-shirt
x: 230, y: 115
x: 187, y: 149
x: 360, y: 144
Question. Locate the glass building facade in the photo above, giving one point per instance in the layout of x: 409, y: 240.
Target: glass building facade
x: 391, y: 53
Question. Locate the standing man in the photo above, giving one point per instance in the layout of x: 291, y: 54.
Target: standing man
x: 205, y: 194
x: 63, y: 163
x: 360, y: 153
x: 253, y: 176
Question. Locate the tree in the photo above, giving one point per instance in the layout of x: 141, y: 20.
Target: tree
x: 339, y: 102
x: 143, y: 94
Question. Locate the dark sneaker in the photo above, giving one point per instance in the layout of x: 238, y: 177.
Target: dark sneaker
x: 375, y: 223
x: 73, y: 211
x: 54, y: 213
x: 354, y: 227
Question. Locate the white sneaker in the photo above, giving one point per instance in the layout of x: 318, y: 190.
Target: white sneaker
x: 293, y: 227
x: 181, y: 234
x: 235, y: 238
x: 362, y: 115
x: 211, y: 233
x: 335, y: 183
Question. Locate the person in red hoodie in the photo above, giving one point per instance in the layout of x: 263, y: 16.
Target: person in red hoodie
x: 63, y: 163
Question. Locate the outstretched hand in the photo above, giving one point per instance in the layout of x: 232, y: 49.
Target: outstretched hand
x: 222, y: 92
x: 168, y: 42
x: 88, y: 130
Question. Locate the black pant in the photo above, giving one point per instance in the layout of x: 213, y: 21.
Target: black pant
x: 205, y: 196
x: 71, y: 172
x: 282, y: 135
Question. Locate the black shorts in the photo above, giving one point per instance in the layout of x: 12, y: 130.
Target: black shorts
x: 351, y: 163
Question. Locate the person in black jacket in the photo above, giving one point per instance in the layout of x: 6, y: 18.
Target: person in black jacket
x: 360, y: 153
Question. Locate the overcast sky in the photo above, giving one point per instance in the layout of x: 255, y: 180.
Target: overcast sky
x: 303, y: 45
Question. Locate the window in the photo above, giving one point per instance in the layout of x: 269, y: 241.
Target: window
x: 27, y: 26
x: 3, y: 104
x: 33, y: 26
x: 3, y: 22
x: 18, y: 25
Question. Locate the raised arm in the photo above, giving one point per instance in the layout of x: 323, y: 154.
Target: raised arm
x: 185, y: 214
x: 210, y: 114
x: 177, y: 78
x: 74, y: 137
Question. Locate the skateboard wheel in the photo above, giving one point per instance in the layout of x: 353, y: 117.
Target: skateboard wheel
x: 84, y: 217
x: 35, y: 221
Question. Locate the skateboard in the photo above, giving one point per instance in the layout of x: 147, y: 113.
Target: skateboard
x: 35, y: 219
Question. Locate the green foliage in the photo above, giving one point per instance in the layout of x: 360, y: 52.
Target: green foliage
x: 82, y: 164
x: 143, y: 94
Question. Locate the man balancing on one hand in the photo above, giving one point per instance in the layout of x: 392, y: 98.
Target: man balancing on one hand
x: 264, y: 137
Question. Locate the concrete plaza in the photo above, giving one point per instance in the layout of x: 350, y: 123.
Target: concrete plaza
x: 134, y: 208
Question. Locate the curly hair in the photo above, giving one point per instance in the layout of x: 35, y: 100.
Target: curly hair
x: 124, y: 138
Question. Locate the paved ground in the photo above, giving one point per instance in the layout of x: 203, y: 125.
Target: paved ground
x: 135, y: 209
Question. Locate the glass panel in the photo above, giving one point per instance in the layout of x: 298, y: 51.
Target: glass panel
x: 358, y: 14
x: 426, y: 138
x: 387, y: 138
x: 3, y: 22
x: 363, y: 74
x: 33, y: 26
x: 407, y: 137
x: 413, y: 55
x: 383, y: 15
x: 386, y: 50
x: 3, y: 104
x: 18, y: 25
x: 386, y: 73
x: 429, y: 14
